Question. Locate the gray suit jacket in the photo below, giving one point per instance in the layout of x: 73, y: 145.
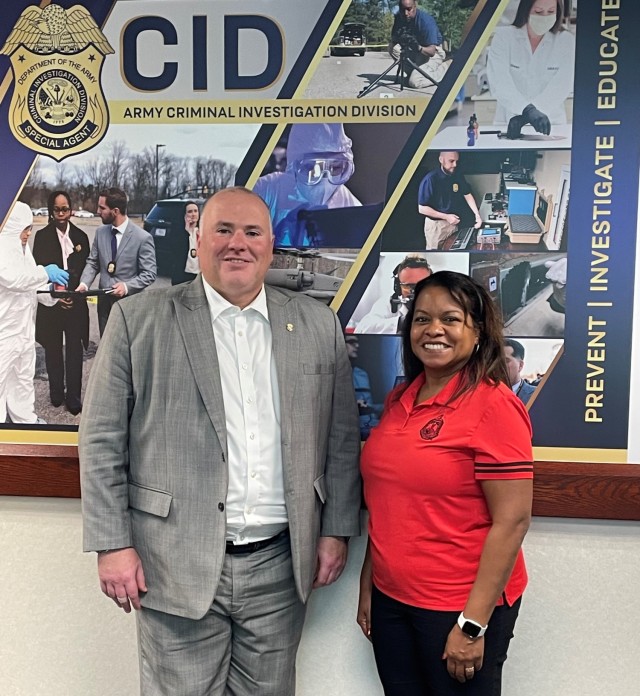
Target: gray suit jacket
x: 153, y: 442
x: 526, y: 391
x: 135, y: 260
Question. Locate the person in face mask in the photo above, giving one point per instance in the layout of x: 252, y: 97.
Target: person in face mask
x: 319, y: 164
x: 20, y: 277
x: 530, y: 68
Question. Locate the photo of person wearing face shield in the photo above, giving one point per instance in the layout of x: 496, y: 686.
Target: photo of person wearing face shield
x: 319, y: 164
x: 530, y: 68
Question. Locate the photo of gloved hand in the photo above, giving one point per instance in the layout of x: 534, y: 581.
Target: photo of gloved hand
x: 537, y: 119
x: 57, y: 275
x: 515, y: 126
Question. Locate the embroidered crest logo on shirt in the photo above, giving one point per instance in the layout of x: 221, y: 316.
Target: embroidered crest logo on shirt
x: 432, y: 429
x: 455, y: 188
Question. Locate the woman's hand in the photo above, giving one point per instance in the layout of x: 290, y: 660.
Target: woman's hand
x: 364, y: 602
x: 364, y: 612
x: 463, y: 655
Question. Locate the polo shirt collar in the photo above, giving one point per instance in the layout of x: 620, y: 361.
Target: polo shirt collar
x: 442, y: 398
x: 218, y: 304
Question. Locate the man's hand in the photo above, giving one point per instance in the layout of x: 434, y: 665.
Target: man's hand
x: 82, y: 288
x: 119, y: 290
x: 331, y: 560
x: 452, y: 219
x: 478, y: 223
x: 122, y: 577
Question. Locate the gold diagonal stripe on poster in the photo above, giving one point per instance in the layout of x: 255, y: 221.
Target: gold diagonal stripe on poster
x: 580, y: 455
x: 277, y: 132
x: 415, y: 161
x: 266, y: 153
x: 313, y: 64
x: 545, y: 377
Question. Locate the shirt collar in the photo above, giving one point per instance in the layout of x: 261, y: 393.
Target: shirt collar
x: 218, y: 304
x: 442, y: 398
x: 121, y: 228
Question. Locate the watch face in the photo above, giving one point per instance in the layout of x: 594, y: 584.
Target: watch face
x: 470, y: 629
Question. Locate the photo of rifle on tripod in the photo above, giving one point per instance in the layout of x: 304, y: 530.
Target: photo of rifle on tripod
x: 416, y: 47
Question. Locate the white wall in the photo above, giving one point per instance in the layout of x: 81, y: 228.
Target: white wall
x: 577, y: 634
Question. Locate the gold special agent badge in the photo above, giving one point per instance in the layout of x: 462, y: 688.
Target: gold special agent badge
x: 455, y: 188
x: 58, y: 106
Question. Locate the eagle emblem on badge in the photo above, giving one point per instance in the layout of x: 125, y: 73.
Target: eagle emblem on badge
x: 58, y: 107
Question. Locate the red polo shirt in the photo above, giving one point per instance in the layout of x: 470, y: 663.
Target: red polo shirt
x: 422, y: 468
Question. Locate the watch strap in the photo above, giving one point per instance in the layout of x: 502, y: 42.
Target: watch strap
x: 471, y: 628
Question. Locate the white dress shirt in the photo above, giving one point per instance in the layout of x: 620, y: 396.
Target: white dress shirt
x: 66, y: 246
x: 192, y: 264
x: 255, y: 498
x: 120, y: 230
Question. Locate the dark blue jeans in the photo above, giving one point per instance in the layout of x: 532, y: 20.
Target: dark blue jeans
x: 408, y: 643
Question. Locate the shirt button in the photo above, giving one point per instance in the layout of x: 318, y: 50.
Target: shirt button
x: 249, y: 511
x: 240, y: 333
x: 253, y: 474
x: 249, y: 400
x: 221, y: 507
x: 252, y: 436
x: 244, y: 366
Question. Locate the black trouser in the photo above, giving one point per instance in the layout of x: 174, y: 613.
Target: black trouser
x: 408, y: 643
x: 105, y: 303
x: 67, y: 367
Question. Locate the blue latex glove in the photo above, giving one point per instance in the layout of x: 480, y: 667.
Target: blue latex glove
x: 57, y: 275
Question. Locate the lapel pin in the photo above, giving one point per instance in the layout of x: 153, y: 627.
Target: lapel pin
x: 289, y: 327
x: 78, y: 248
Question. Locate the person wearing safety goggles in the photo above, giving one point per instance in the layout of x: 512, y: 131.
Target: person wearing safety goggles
x: 319, y: 164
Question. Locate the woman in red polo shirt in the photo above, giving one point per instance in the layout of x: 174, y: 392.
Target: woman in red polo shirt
x: 448, y: 484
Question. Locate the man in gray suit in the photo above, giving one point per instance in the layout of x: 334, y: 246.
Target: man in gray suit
x: 122, y: 253
x: 219, y: 464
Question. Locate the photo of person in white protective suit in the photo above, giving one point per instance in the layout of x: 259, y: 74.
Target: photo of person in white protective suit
x: 530, y: 68
x: 20, y: 278
x: 319, y: 164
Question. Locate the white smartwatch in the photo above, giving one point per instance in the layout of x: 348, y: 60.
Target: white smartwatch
x: 470, y: 628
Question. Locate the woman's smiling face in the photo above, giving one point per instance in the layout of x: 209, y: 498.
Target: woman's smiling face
x: 442, y: 337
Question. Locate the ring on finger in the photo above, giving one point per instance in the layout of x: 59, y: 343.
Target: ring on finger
x: 121, y: 600
x: 469, y: 670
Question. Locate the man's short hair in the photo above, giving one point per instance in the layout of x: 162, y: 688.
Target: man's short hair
x: 412, y: 261
x: 115, y: 198
x: 516, y: 347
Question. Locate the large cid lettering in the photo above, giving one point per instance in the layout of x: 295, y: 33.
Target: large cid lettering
x: 233, y: 26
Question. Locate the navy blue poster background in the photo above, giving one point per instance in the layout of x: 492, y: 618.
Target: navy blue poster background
x: 567, y: 413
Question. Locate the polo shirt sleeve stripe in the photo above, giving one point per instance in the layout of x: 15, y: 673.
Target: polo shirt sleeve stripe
x: 504, y: 470
x: 501, y: 441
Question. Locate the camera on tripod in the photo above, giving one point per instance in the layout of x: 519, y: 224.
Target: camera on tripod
x: 407, y: 41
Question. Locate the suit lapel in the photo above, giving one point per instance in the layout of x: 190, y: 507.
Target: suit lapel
x: 286, y: 349
x: 194, y: 322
